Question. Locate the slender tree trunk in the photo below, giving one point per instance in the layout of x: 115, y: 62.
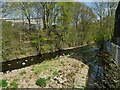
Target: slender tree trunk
x: 29, y: 21
x: 44, y: 17
x: 44, y: 22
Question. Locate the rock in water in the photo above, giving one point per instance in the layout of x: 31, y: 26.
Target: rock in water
x: 117, y: 25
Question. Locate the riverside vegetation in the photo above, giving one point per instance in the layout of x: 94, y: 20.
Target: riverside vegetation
x: 64, y: 25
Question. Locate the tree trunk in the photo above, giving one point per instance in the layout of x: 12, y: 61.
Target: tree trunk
x: 44, y: 16
x: 29, y: 21
x: 116, y: 37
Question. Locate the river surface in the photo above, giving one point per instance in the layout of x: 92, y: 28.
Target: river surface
x: 90, y: 53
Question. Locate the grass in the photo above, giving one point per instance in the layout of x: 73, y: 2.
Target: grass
x: 45, y: 65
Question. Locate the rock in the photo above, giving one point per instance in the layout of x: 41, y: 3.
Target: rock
x: 23, y: 63
x: 26, y: 60
x: 9, y: 64
x: 59, y: 80
x: 1, y: 73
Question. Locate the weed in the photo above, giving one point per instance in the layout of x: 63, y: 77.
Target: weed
x: 63, y: 63
x: 55, y: 73
x: 13, y: 84
x: 41, y: 82
x: 3, y: 83
x: 22, y: 72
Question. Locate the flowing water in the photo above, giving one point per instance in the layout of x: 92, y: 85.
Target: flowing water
x: 103, y: 73
x: 96, y: 71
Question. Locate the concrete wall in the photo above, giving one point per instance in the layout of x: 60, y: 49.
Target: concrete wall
x: 114, y: 50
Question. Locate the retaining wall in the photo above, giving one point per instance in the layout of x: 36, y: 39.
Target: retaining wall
x: 114, y: 50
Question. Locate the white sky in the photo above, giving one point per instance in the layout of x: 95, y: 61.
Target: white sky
x: 96, y: 0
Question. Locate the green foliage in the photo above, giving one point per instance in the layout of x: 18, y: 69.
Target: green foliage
x: 105, y: 31
x: 65, y: 24
x: 99, y: 39
x: 45, y: 65
x: 3, y: 83
x: 41, y: 82
x: 45, y: 48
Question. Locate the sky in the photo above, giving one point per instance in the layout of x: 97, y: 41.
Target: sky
x: 87, y: 2
x: 0, y: 10
x: 59, y: 0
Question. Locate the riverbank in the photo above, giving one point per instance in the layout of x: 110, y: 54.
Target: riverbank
x: 61, y: 72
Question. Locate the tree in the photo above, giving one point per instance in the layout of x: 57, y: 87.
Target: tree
x: 105, y: 20
x: 83, y: 18
x: 26, y: 9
